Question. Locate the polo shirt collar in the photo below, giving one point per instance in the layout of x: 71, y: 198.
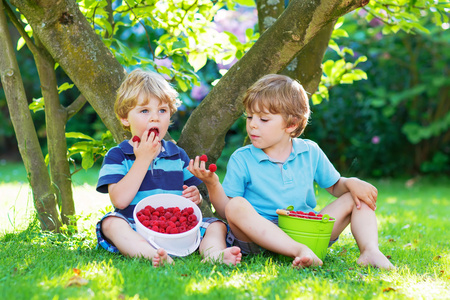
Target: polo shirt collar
x: 165, y: 151
x: 298, y: 146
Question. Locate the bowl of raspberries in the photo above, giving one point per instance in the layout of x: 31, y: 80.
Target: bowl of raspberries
x: 169, y: 221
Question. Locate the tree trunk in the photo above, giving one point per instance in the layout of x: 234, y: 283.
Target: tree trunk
x: 30, y: 150
x: 268, y: 13
x: 55, y: 120
x: 70, y: 40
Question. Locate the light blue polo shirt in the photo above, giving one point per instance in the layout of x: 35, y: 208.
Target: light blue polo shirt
x: 269, y: 185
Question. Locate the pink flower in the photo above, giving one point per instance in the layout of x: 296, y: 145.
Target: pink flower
x: 375, y: 139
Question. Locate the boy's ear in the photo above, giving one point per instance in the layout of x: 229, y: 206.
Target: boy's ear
x: 291, y: 128
x: 125, y: 122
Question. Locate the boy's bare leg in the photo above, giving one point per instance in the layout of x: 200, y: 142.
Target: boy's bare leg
x: 247, y: 225
x: 214, y: 248
x: 130, y: 243
x: 363, y: 226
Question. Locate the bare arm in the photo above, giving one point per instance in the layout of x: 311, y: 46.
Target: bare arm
x: 359, y: 189
x: 215, y: 190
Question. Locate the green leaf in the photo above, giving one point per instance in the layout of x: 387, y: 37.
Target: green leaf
x: 87, y: 160
x: 37, y: 104
x: 250, y: 3
x: 78, y: 135
x: 64, y: 86
x: 197, y: 60
x: 128, y: 53
x: 20, y: 43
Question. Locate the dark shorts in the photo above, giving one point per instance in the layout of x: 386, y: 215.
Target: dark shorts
x: 250, y: 247
x: 107, y: 245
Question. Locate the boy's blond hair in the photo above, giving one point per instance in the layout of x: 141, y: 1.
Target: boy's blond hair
x: 146, y: 84
x: 279, y: 94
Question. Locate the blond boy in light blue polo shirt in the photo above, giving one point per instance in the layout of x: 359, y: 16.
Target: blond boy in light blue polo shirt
x: 279, y: 170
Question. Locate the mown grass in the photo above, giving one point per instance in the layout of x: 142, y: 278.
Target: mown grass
x: 413, y: 230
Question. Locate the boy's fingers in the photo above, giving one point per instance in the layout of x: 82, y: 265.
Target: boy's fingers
x: 357, y: 202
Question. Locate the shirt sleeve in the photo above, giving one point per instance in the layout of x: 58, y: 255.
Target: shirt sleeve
x: 113, y: 169
x: 326, y: 174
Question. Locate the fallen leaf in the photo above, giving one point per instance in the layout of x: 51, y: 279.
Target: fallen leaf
x: 76, y: 271
x: 391, y: 240
x: 437, y: 257
x: 77, y: 281
x: 388, y: 256
x: 409, y: 245
x: 343, y: 252
x: 388, y: 289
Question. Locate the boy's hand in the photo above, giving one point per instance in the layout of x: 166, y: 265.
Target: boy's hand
x: 362, y: 191
x: 192, y: 193
x: 198, y: 169
x: 148, y: 147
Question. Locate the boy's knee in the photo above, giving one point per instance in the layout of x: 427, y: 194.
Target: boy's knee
x: 235, y: 206
x: 109, y: 223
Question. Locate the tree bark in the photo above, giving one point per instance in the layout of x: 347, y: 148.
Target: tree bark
x: 30, y: 150
x: 72, y: 43
x: 268, y: 13
x: 300, y: 22
x: 307, y: 66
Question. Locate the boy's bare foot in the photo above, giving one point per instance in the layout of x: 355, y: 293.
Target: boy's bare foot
x: 231, y: 255
x: 160, y: 258
x: 306, y: 260
x: 375, y: 259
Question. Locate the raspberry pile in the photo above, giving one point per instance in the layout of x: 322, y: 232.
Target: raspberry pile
x: 306, y: 215
x: 169, y: 220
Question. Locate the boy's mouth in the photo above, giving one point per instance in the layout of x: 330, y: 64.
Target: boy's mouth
x: 155, y: 130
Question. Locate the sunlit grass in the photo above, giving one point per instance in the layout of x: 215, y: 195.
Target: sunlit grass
x: 413, y: 231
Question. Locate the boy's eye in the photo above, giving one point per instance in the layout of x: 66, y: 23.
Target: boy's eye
x: 162, y: 110
x: 264, y: 120
x: 144, y: 111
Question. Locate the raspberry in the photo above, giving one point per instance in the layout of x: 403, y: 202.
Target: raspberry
x: 155, y: 228
x: 183, y: 219
x: 160, y: 209
x: 311, y: 213
x: 190, y: 210
x: 212, y: 167
x: 182, y: 228
x: 173, y: 219
x: 136, y: 139
x: 204, y: 158
x: 156, y: 213
x: 147, y: 212
x: 192, y: 218
x: 168, y: 215
x: 146, y: 223
x: 174, y: 230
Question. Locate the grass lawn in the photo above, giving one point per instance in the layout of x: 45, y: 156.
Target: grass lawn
x: 414, y: 232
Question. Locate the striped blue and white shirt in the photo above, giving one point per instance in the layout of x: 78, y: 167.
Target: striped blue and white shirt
x: 166, y: 175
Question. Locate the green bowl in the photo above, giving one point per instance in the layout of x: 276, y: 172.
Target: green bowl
x: 313, y: 233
